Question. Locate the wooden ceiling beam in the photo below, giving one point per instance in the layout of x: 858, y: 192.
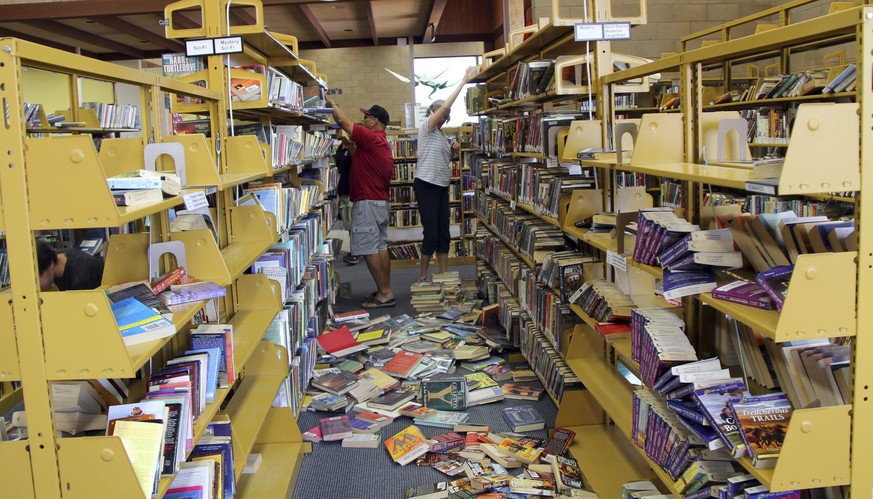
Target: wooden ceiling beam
x: 142, y: 33
x: 436, y: 13
x: 4, y: 32
x: 371, y: 18
x: 183, y: 22
x: 240, y: 17
x: 84, y: 36
x: 89, y: 8
x: 319, y: 29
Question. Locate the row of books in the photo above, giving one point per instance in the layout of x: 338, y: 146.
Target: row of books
x: 287, y: 204
x: 542, y: 187
x: 768, y: 125
x: 531, y: 78
x: 404, y: 147
x: 114, y: 115
x: 545, y: 306
x: 412, y: 250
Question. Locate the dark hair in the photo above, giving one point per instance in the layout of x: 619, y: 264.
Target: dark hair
x: 45, y: 256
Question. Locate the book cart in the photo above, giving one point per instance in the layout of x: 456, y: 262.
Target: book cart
x: 59, y: 183
x: 824, y: 446
x: 404, y: 143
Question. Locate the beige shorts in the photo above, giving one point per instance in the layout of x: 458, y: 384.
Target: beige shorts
x: 369, y: 232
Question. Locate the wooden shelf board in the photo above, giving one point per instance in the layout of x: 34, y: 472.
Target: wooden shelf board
x: 247, y: 411
x: 241, y: 255
x: 608, y: 387
x: 277, y: 473
x: 763, y: 321
x: 780, y: 100
x: 80, y: 129
x: 704, y: 174
x: 606, y: 459
x: 182, y: 314
x: 234, y: 179
x: 623, y: 350
x: 533, y: 211
x: 248, y: 329
x: 533, y: 45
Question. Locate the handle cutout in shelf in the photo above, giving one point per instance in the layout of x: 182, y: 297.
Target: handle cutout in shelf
x: 196, y: 7
x: 9, y: 365
x: 580, y: 84
x: 245, y: 10
x: 602, y: 15
x: 625, y: 136
x: 715, y: 129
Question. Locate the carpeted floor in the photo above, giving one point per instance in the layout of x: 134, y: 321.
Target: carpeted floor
x: 334, y: 472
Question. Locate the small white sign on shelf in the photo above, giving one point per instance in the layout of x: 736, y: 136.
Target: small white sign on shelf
x: 195, y: 200
x: 199, y: 47
x: 228, y: 45
x: 616, y: 260
x: 592, y: 32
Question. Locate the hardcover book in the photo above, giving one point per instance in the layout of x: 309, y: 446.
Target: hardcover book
x: 523, y: 418
x: 558, y: 443
x: 391, y: 400
x: 402, y: 364
x: 339, y: 342
x: 336, y: 383
x: 445, y: 442
x: 445, y: 394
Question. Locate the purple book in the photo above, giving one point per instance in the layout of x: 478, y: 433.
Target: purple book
x: 775, y: 283
x: 187, y: 293
x: 744, y: 293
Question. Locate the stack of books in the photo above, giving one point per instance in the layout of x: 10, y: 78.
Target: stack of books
x: 452, y: 287
x: 428, y: 297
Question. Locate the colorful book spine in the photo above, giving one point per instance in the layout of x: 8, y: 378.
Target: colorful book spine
x: 744, y: 293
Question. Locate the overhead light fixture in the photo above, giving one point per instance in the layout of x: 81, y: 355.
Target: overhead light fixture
x: 348, y: 30
x: 89, y: 21
x: 432, y: 28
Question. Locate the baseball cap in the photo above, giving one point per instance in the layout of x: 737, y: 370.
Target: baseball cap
x: 377, y: 112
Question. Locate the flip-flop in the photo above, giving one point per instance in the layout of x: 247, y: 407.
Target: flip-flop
x: 375, y: 303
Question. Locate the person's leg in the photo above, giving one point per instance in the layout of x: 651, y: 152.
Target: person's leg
x: 369, y: 239
x: 443, y: 235
x: 424, y: 196
x: 345, y: 209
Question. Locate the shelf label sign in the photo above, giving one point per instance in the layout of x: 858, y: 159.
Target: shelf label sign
x: 616, y: 260
x: 211, y: 46
x: 199, y: 47
x: 195, y: 200
x: 228, y: 45
x: 592, y: 32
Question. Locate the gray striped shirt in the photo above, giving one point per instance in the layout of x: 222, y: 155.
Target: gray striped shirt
x: 434, y: 156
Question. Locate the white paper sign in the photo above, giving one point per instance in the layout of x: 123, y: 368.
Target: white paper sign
x: 591, y: 32
x: 195, y: 200
x: 199, y: 47
x: 228, y: 45
x: 616, y: 260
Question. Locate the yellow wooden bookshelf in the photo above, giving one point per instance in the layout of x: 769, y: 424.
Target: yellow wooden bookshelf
x: 58, y: 182
x: 826, y: 291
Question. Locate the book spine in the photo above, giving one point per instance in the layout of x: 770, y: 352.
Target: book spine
x: 135, y: 183
x: 733, y: 298
x: 168, y: 280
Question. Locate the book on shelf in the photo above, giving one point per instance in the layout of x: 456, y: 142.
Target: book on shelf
x: 195, y: 291
x: 523, y: 418
x: 139, y: 323
x: 763, y: 422
x: 137, y: 197
x: 142, y: 441
x: 744, y: 293
x: 775, y: 282
x: 220, y: 336
x: 168, y: 183
x: 713, y: 402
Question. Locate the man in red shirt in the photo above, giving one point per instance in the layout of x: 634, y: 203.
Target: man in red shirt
x: 371, y: 174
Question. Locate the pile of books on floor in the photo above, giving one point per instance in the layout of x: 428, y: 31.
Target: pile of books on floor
x: 428, y: 297
x: 452, y: 287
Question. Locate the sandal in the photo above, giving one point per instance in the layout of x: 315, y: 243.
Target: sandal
x: 376, y: 303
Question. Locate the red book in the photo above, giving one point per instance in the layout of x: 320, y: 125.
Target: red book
x: 402, y: 364
x: 350, y: 316
x: 611, y: 331
x: 340, y: 342
x: 165, y: 281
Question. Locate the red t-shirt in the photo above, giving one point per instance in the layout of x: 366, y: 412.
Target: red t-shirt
x: 372, y: 165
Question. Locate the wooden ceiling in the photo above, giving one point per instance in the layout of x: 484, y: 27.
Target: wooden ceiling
x: 132, y: 29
